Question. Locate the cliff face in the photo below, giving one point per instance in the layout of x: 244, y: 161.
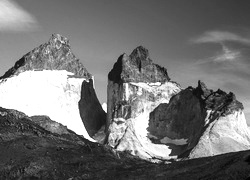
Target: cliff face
x: 51, y: 81
x: 136, y: 86
x: 210, y: 122
x: 225, y: 124
x: 151, y: 117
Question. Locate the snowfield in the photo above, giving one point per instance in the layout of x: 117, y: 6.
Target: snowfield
x: 54, y: 93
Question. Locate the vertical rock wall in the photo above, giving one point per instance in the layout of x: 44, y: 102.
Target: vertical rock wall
x: 211, y: 122
x: 136, y: 87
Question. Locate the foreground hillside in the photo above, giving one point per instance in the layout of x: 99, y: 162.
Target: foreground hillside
x: 38, y: 148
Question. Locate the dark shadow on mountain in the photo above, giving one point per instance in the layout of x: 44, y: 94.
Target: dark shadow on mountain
x: 91, y: 112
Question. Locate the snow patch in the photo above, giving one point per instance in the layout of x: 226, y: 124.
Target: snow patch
x: 166, y: 89
x: 51, y: 93
x: 104, y: 107
x: 167, y: 140
x: 132, y: 133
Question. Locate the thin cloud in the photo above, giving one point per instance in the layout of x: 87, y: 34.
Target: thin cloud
x: 220, y: 37
x: 14, y: 18
x: 229, y: 65
x: 227, y: 55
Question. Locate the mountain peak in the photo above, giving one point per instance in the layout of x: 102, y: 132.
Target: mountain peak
x: 56, y: 54
x: 140, y: 57
x: 57, y: 40
x: 218, y: 101
x: 137, y: 67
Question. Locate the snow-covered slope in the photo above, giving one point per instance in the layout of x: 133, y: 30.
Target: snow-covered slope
x: 51, y: 81
x: 225, y: 134
x: 130, y: 132
x: 51, y: 93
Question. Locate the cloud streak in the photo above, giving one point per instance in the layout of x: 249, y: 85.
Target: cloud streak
x: 14, y: 18
x: 220, y: 37
x: 227, y: 55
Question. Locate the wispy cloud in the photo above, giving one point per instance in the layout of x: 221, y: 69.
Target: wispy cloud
x: 14, y: 18
x: 227, y: 67
x: 220, y: 37
x: 226, y: 55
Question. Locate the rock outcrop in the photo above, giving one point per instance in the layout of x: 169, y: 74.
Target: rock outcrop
x: 210, y: 122
x: 51, y: 81
x: 136, y: 86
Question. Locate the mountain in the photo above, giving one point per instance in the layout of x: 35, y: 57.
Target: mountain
x: 210, y: 122
x: 51, y: 81
x: 136, y: 86
x: 50, y: 120
x: 151, y: 117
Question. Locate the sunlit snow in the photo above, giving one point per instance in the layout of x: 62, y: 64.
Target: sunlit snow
x: 51, y: 93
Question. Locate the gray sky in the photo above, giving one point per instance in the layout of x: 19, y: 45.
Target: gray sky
x: 194, y: 39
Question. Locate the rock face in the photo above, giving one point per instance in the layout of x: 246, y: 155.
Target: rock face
x: 136, y: 86
x: 210, y: 122
x: 151, y: 117
x: 225, y: 129
x: 51, y: 81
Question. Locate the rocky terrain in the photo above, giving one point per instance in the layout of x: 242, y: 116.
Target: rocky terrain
x: 150, y: 128
x: 38, y: 148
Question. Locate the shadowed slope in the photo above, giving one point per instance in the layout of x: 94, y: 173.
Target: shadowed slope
x: 28, y: 151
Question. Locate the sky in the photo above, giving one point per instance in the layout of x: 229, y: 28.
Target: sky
x: 207, y: 40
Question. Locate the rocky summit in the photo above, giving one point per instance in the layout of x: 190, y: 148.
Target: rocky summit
x: 51, y: 81
x: 137, y: 67
x: 56, y: 54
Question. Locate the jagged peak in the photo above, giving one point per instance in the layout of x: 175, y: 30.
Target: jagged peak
x: 56, y: 40
x: 137, y: 67
x: 203, y: 90
x: 140, y: 52
x: 55, y: 54
x: 219, y: 101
